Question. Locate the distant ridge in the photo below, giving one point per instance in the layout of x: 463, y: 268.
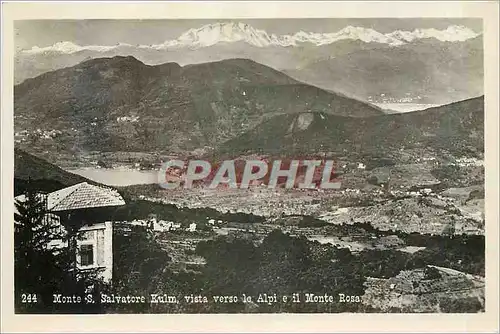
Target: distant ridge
x: 457, y: 129
x: 43, y: 175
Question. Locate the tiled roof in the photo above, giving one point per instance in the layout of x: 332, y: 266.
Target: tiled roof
x: 83, y: 195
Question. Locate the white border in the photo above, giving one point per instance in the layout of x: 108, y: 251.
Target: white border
x: 488, y: 11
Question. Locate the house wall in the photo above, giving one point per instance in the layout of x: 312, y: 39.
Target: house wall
x: 100, y: 236
x: 108, y: 251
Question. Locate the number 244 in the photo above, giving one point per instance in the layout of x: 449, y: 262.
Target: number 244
x: 28, y: 298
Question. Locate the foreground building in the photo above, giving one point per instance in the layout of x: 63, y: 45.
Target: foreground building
x: 85, y: 210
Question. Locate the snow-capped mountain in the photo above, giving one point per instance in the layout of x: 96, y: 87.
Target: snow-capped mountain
x: 450, y: 34
x: 216, y: 33
x: 69, y: 47
x: 212, y: 34
x: 355, y: 61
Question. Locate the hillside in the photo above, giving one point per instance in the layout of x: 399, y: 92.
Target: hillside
x: 425, y: 71
x: 121, y: 104
x: 456, y: 128
x: 429, y: 289
x: 42, y: 174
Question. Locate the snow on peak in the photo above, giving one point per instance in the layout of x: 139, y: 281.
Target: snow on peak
x: 61, y: 47
x: 231, y: 32
x: 69, y: 48
x: 211, y: 34
x: 365, y: 35
x: 453, y: 33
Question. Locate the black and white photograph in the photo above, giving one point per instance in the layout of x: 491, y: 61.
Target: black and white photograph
x: 249, y: 165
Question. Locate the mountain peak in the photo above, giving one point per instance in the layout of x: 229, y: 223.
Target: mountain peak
x: 228, y: 32
x: 454, y: 33
x: 110, y: 61
x: 366, y: 35
x: 67, y: 47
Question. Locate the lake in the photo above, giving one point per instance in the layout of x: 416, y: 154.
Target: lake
x: 405, y: 107
x: 118, y: 176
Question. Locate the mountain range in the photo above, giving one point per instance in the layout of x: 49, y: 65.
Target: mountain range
x: 31, y: 171
x: 455, y: 129
x: 425, y: 71
x: 121, y: 104
x: 317, y: 58
x: 230, y: 32
x: 231, y: 107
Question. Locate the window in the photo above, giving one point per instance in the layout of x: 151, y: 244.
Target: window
x: 86, y: 255
x: 87, y: 235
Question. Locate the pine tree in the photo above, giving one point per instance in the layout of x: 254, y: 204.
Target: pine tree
x: 36, y: 267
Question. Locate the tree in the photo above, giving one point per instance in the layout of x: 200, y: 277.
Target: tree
x: 449, y: 229
x: 431, y: 273
x: 35, y: 266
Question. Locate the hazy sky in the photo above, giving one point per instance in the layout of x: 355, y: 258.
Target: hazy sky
x: 109, y: 32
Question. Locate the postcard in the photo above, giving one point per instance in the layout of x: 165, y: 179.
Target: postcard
x: 250, y: 166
